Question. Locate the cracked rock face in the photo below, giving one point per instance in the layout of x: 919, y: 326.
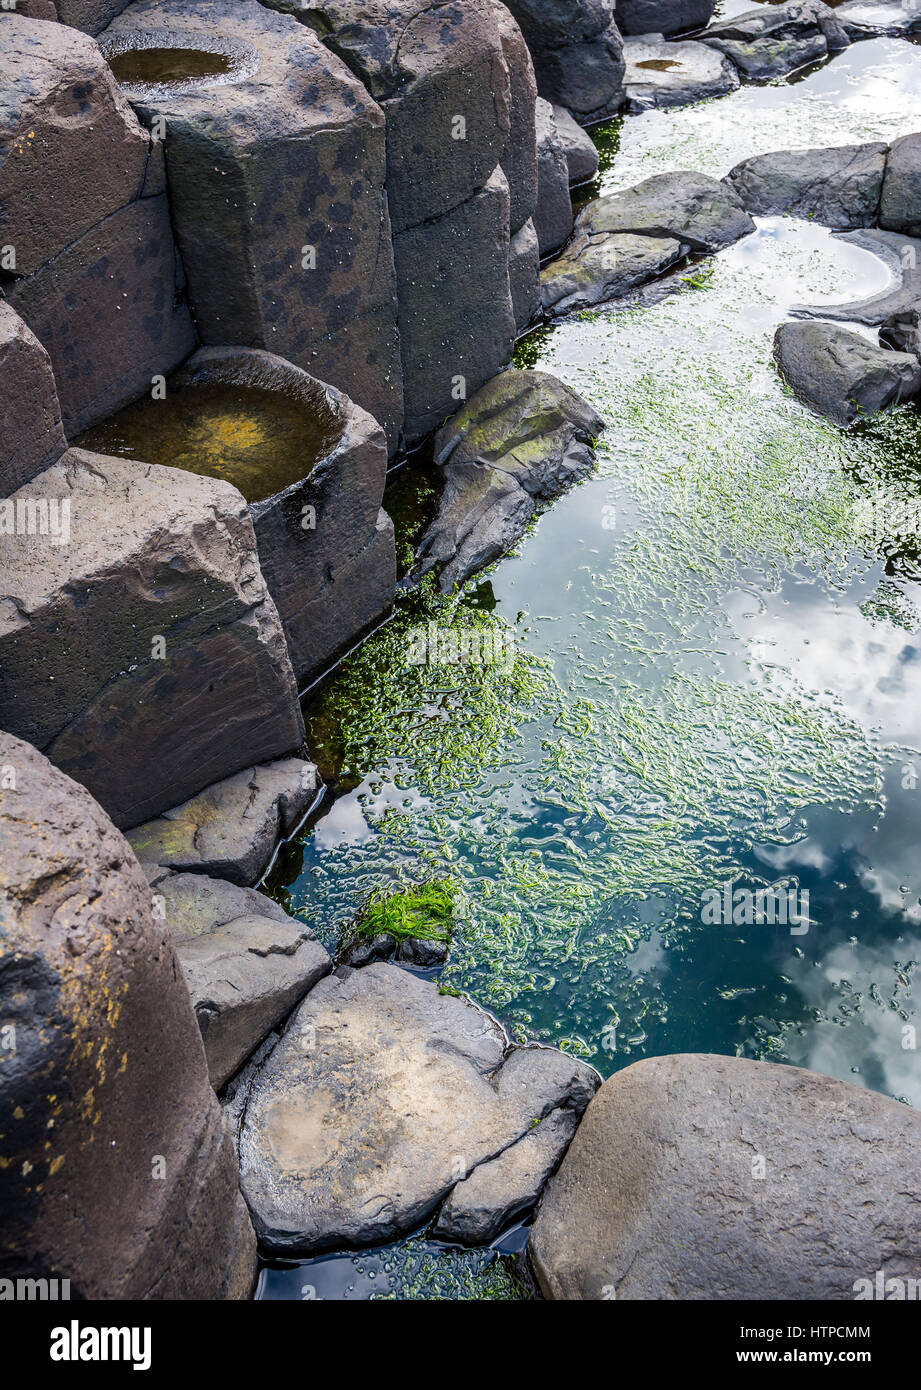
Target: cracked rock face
x: 523, y: 439
x: 659, y: 1195
x: 838, y: 187
x: 380, y: 1096
x: 245, y: 961
x: 231, y: 830
x: 153, y: 576
x: 702, y: 212
x: 674, y: 74
x: 139, y: 1158
x: 602, y: 267
x: 31, y: 435
x: 840, y: 374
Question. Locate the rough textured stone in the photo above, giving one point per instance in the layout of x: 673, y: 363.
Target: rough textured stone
x: 231, y: 830
x: 862, y: 19
x: 455, y: 304
x: 91, y: 16
x: 285, y: 154
x: 659, y: 1197
x: 118, y: 1173
x: 662, y: 16
x: 31, y: 437
x: 702, y: 212
x: 838, y: 187
x: 902, y: 257
x: 245, y: 961
x: 840, y: 374
x: 519, y: 155
x: 110, y: 312
x: 480, y: 1207
x: 71, y: 149
x: 524, y: 274
x: 902, y: 330
x: 774, y: 40
x: 674, y: 74
x: 581, y: 155
x: 320, y: 566
x: 553, y: 215
x: 605, y: 266
x: 522, y: 439
x: 379, y: 1091
x: 900, y: 202
x: 576, y: 47
x: 143, y: 655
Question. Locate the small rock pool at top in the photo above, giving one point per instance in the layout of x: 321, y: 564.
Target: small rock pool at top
x: 716, y: 673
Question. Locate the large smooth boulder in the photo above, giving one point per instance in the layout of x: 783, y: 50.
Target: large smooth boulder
x: 280, y: 163
x: 840, y: 374
x: 118, y: 1173
x: 71, y: 149
x: 380, y: 1096
x: 701, y: 211
x: 457, y: 324
x: 581, y: 154
x: 773, y: 40
x: 577, y: 52
x: 674, y: 74
x: 231, y: 830
x: 703, y: 1177
x: 245, y: 962
x: 139, y: 647
x: 662, y: 16
x: 31, y: 436
x: 900, y: 201
x: 553, y: 215
x: 838, y: 187
x: 606, y: 266
x: 522, y: 440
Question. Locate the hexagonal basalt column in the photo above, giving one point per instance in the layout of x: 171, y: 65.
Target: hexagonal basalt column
x: 275, y: 159
x: 311, y: 464
x: 578, y: 54
x: 139, y: 647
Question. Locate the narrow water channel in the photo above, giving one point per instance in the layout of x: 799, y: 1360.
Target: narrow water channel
x: 716, y: 681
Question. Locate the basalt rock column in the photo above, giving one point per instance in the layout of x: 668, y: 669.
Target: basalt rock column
x: 31, y: 436
x: 275, y: 158
x: 139, y: 647
x: 578, y: 54
x: 116, y: 1172
x: 85, y: 242
x: 440, y: 76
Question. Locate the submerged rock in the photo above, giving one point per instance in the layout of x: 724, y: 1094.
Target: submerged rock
x: 231, y: 829
x: 496, y: 1193
x: 694, y: 208
x: 245, y: 961
x: 662, y: 16
x: 117, y: 1171
x: 772, y: 41
x: 581, y: 154
x: 704, y: 1177
x: 523, y: 438
x: 553, y: 214
x: 840, y: 374
x: 31, y: 435
x: 863, y: 19
x: 900, y: 201
x: 674, y: 74
x: 381, y: 1095
x: 593, y: 269
x: 838, y: 187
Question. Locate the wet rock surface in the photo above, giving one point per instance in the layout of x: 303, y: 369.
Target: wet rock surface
x: 523, y: 439
x: 674, y: 74
x: 605, y: 266
x: 902, y: 256
x: 231, y: 829
x: 159, y: 591
x: 693, y: 208
x: 658, y: 1195
x: 135, y: 1195
x: 246, y: 963
x: 840, y: 374
x: 838, y: 187
x: 31, y: 435
x: 773, y: 41
x: 380, y: 1096
x: 864, y: 18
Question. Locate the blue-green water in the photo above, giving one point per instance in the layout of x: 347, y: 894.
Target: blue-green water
x: 716, y: 680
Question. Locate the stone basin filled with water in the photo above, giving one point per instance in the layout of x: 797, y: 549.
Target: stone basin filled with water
x: 158, y: 62
x: 717, y: 681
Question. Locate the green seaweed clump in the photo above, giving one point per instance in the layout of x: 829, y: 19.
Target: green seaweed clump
x: 425, y: 912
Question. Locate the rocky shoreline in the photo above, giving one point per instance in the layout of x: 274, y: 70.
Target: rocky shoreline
x: 241, y: 230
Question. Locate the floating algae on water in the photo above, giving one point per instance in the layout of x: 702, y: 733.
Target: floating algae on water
x: 260, y: 440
